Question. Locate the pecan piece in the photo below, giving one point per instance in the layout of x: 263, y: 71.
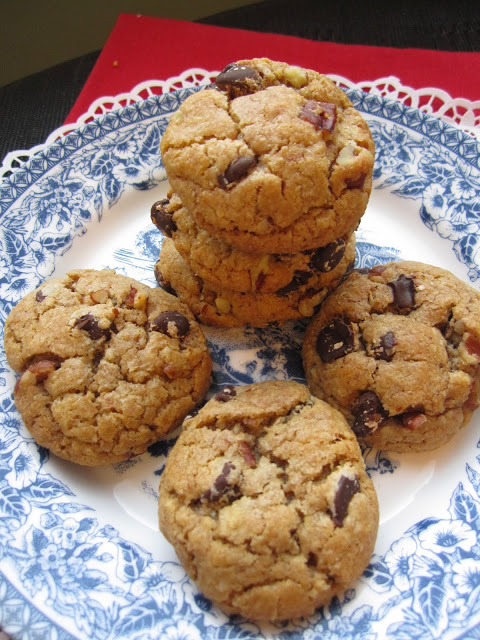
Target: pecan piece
x: 322, y: 115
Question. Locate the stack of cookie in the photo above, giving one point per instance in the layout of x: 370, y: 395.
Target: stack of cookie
x: 271, y: 171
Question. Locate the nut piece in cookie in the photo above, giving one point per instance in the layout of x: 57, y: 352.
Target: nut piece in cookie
x: 397, y: 350
x: 276, y: 514
x: 107, y: 365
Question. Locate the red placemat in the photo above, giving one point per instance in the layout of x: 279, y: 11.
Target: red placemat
x: 141, y: 48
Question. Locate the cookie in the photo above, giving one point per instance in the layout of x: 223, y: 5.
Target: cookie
x: 222, y: 307
x: 221, y: 264
x: 273, y: 158
x: 397, y: 350
x: 108, y: 365
x: 267, y: 503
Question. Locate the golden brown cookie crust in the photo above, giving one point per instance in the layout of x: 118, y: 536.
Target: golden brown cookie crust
x: 260, y: 171
x: 222, y: 307
x: 219, y: 263
x: 108, y: 365
x: 267, y: 502
x: 397, y: 350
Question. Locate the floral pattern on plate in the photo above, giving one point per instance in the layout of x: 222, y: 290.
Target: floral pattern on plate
x: 65, y: 572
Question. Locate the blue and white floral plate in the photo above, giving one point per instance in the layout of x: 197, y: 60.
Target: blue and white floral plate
x: 80, y: 551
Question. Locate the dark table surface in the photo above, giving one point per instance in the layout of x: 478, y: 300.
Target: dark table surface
x: 31, y: 108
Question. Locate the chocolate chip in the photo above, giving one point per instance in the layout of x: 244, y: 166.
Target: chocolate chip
x: 90, y: 324
x: 346, y: 489
x: 326, y: 258
x: 385, y: 350
x: 97, y: 358
x: 312, y: 560
x: 220, y: 485
x: 299, y: 279
x: 237, y: 170
x: 323, y: 115
x: 226, y: 393
x: 335, y: 340
x: 356, y: 183
x: 368, y: 412
x: 238, y: 80
x: 403, y: 293
x: 260, y: 280
x: 162, y: 218
x: 171, y: 323
x: 166, y: 286
x: 39, y: 296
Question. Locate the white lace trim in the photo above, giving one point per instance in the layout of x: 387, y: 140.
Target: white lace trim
x: 459, y: 112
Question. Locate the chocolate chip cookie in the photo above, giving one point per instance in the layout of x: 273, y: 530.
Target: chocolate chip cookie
x: 267, y: 502
x: 108, y: 365
x: 222, y: 265
x: 273, y: 158
x: 397, y: 350
x: 223, y: 307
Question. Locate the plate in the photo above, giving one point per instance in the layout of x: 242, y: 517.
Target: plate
x: 80, y: 551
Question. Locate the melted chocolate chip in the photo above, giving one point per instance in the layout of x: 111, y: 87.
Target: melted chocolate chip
x: 326, y: 258
x: 403, y: 293
x: 171, y: 323
x: 39, y: 296
x: 220, y: 485
x: 346, y: 489
x: 356, y: 183
x: 226, y: 393
x: 90, y: 324
x: 368, y: 412
x: 385, y: 351
x: 335, y: 340
x: 299, y: 279
x: 238, y: 80
x: 322, y: 115
x: 237, y: 170
x: 162, y: 218
x: 312, y: 560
